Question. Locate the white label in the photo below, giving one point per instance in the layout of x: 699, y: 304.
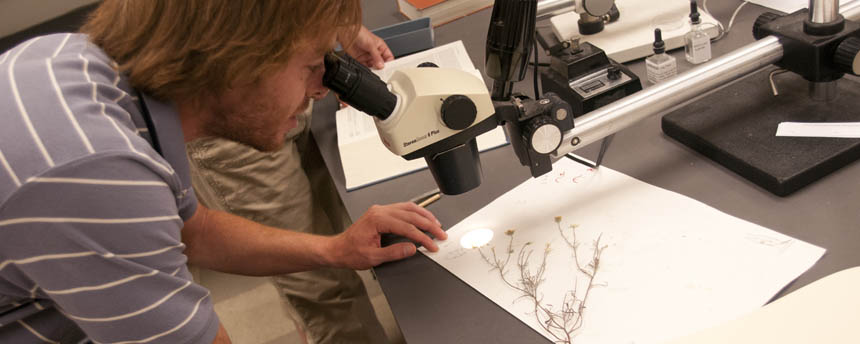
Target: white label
x: 698, y: 47
x: 659, y: 72
x: 841, y: 130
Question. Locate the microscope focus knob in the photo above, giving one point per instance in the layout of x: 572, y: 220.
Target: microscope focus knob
x: 847, y: 56
x: 458, y: 112
x: 542, y: 135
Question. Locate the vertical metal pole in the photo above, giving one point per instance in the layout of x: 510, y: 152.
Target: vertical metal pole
x: 823, y: 91
x: 823, y: 11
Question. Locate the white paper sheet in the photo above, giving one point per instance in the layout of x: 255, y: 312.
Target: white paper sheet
x: 805, y: 129
x: 825, y: 311
x: 671, y: 266
x: 364, y: 158
x: 787, y: 6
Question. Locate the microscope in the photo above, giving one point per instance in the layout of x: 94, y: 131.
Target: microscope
x: 436, y: 113
x: 425, y: 111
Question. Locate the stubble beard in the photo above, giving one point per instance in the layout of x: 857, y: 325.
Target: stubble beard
x: 254, y: 126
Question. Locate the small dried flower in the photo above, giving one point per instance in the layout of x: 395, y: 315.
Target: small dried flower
x: 509, y: 232
x: 557, y: 219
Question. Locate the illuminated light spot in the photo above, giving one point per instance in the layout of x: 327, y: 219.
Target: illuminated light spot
x: 476, y: 238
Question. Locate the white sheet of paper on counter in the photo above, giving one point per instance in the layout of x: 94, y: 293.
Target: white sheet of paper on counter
x: 365, y: 159
x: 804, y: 129
x: 672, y: 265
x: 787, y: 6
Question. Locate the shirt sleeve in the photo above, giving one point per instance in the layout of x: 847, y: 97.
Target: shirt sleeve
x: 100, y: 238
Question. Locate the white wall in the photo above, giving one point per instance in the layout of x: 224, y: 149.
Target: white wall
x: 16, y: 15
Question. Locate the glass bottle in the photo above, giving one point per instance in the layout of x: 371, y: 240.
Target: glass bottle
x: 697, y: 43
x: 660, y: 66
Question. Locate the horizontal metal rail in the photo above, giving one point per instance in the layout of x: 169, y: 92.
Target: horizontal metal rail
x: 678, y: 91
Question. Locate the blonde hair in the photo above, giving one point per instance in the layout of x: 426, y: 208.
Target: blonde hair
x: 191, y: 48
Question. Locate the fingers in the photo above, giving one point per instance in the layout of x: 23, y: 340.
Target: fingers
x: 405, y: 219
x: 370, y: 49
x: 376, y: 59
x: 435, y: 228
x: 396, y: 252
x: 385, y: 52
x: 401, y: 224
x: 410, y: 206
x: 370, y: 59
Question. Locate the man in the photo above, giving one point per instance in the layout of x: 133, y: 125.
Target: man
x: 291, y: 188
x: 97, y: 216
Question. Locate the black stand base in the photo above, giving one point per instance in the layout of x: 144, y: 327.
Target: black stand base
x: 736, y: 127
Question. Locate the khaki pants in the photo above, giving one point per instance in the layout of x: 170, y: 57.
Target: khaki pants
x: 293, y: 190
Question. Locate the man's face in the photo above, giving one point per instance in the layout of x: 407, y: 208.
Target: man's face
x: 261, y: 114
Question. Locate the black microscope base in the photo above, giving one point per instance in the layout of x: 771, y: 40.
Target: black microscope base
x: 736, y: 127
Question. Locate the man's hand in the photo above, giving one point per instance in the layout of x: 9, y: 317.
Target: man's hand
x: 370, y: 50
x: 359, y: 246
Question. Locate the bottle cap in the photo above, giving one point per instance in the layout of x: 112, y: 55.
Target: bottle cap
x: 694, y: 12
x: 659, y: 45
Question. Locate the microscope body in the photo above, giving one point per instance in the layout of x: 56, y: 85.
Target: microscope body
x: 440, y: 113
x: 433, y: 104
x: 437, y: 113
x: 422, y: 112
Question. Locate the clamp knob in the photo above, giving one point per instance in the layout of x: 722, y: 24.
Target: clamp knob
x: 761, y: 21
x: 613, y: 73
x: 542, y: 135
x: 847, y: 56
x: 597, y: 8
x: 458, y: 112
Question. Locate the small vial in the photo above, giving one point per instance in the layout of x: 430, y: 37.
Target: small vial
x: 660, y: 66
x: 697, y: 44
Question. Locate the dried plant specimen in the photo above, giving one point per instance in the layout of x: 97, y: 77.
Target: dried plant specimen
x: 560, y: 323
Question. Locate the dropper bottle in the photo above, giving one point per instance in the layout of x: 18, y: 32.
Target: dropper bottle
x: 660, y: 66
x: 697, y: 43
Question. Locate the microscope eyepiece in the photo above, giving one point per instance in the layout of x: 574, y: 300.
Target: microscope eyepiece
x: 358, y: 86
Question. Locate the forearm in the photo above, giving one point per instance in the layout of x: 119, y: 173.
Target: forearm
x: 228, y: 243
x: 224, y: 242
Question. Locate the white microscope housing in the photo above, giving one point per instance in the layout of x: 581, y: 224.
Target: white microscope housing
x: 433, y: 104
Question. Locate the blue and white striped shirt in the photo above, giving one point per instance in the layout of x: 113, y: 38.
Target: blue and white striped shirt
x: 90, y: 213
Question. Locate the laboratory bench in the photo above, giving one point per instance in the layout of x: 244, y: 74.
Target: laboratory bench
x: 433, y: 306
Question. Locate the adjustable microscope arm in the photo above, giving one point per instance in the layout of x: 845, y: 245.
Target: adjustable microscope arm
x: 779, y: 42
x: 686, y: 87
x: 541, y: 129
